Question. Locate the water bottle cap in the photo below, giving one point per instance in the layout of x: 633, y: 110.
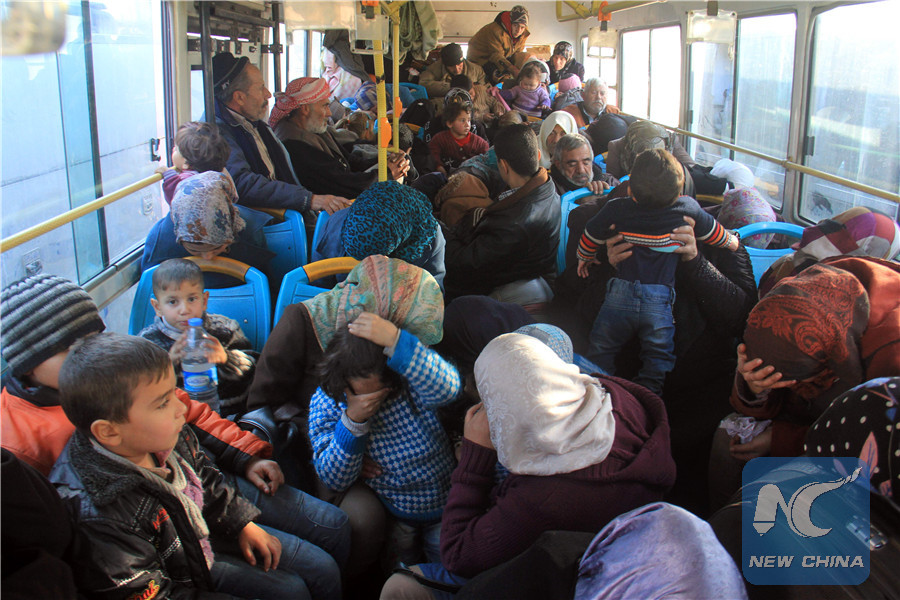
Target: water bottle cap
x: 195, y: 322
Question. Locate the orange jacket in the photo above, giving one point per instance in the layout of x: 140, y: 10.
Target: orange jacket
x: 37, y: 433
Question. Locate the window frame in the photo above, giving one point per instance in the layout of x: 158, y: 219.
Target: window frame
x: 620, y: 63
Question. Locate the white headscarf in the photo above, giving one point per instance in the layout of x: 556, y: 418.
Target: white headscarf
x: 564, y: 120
x: 545, y: 417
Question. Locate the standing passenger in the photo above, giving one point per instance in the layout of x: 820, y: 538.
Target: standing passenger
x: 498, y: 45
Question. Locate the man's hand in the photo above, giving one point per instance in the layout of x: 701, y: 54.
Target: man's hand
x: 598, y: 187
x: 617, y: 249
x: 254, y: 538
x: 476, y: 428
x: 398, y: 165
x: 328, y: 203
x: 264, y: 474
x: 685, y: 235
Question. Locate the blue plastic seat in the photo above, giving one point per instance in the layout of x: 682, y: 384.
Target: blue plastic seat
x: 567, y: 202
x: 296, y: 287
x: 249, y: 304
x: 418, y: 91
x: 287, y: 240
x: 320, y: 227
x: 762, y: 259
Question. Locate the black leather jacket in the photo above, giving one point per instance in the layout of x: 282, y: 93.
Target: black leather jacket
x: 138, y: 540
x: 516, y: 243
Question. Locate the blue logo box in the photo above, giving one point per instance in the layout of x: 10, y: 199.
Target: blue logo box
x: 805, y: 521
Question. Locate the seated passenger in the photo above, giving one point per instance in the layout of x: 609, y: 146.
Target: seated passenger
x: 497, y: 46
x: 594, y: 104
x: 486, y: 109
x: 198, y: 148
x: 377, y: 401
x: 258, y: 162
x: 640, y: 136
x: 568, y: 91
x: 562, y: 63
x: 300, y: 120
x: 436, y: 78
x: 590, y: 449
x: 286, y: 374
x: 814, y: 336
x: 205, y: 221
x: 437, y: 124
x: 159, y: 517
x: 510, y: 245
x: 457, y: 143
x: 390, y: 219
x: 855, y: 232
x: 556, y: 125
x: 177, y: 297
x: 574, y: 167
x: 606, y: 128
x: 43, y: 316
x: 528, y: 95
x: 341, y: 84
x: 745, y: 206
x: 639, y: 298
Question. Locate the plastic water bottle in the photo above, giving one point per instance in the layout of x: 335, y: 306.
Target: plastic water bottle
x: 201, y: 379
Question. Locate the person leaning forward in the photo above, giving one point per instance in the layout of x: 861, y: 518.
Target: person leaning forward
x: 258, y: 162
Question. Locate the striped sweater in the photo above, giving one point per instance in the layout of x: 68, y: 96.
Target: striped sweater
x: 649, y: 230
x: 404, y: 437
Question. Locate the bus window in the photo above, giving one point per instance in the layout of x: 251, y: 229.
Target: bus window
x: 853, y: 127
x: 603, y: 67
x: 80, y: 127
x: 651, y: 60
x: 765, y: 71
x: 712, y: 92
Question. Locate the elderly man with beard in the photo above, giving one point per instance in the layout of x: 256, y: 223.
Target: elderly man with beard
x: 258, y: 162
x: 300, y: 120
x: 573, y: 166
x: 593, y: 105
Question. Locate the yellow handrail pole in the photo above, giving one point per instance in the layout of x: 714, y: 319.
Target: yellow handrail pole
x: 395, y: 46
x: 382, y: 107
x: 76, y: 213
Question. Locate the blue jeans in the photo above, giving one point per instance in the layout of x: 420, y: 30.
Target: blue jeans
x: 317, y: 534
x: 645, y: 310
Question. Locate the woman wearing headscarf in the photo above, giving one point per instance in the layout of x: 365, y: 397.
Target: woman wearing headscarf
x: 562, y: 63
x: 580, y: 451
x: 496, y: 45
x: 390, y: 219
x: 855, y: 232
x: 556, y: 125
x: 811, y: 338
x: 206, y: 221
x: 286, y: 374
x: 744, y: 206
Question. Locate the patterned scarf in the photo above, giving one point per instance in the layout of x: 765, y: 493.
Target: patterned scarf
x: 404, y: 294
x: 545, y: 417
x: 863, y: 422
x: 856, y: 232
x: 204, y: 210
x: 744, y: 206
x: 809, y: 327
x: 391, y: 219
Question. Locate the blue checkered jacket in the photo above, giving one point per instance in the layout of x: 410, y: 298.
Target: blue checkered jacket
x: 409, y: 444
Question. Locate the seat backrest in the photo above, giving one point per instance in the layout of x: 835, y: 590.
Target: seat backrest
x: 296, y: 287
x: 320, y: 227
x: 417, y: 91
x: 287, y: 239
x: 568, y: 202
x: 762, y: 258
x: 249, y: 303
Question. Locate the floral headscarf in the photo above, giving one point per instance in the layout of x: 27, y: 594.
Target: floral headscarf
x: 404, y: 294
x: 203, y: 209
x: 743, y: 207
x: 391, y: 219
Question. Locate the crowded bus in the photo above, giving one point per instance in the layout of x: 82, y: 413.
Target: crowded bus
x: 446, y: 299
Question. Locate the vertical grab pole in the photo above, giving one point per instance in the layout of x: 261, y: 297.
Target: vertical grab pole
x: 382, y: 108
x: 395, y: 45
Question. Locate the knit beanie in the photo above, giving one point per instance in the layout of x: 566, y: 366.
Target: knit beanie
x: 518, y: 14
x: 42, y: 316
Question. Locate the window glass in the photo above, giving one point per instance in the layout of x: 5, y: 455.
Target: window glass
x: 712, y: 90
x: 853, y: 128
x: 602, y: 67
x: 296, y: 54
x: 765, y: 72
x: 315, y: 50
x: 591, y: 63
x: 651, y: 59
x: 127, y: 62
x: 197, y: 106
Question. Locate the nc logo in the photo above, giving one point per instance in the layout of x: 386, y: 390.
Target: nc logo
x: 797, y: 509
